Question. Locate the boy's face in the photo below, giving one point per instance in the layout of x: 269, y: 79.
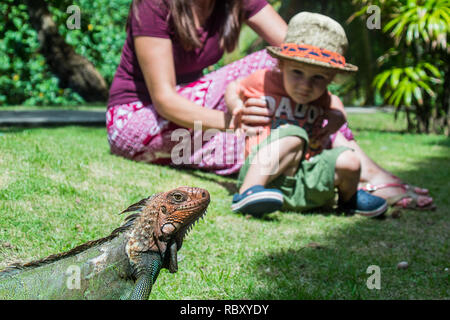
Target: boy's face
x: 305, y: 83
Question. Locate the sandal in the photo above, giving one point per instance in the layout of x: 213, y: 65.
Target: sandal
x: 420, y: 191
x: 411, y: 193
x: 417, y: 190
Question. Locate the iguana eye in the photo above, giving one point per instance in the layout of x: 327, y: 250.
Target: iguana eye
x: 178, y: 197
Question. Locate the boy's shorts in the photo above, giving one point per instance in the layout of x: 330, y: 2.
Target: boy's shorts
x: 313, y: 184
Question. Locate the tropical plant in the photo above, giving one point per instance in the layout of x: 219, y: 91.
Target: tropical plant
x: 414, y: 74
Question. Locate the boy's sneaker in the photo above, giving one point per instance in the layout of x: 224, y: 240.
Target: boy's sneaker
x: 365, y: 204
x: 257, y: 201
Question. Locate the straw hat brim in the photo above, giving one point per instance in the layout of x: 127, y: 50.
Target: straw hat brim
x: 347, y: 69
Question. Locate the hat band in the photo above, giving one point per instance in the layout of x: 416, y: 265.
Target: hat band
x: 312, y: 52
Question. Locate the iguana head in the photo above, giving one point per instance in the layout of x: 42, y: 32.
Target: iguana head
x: 184, y: 206
x: 163, y: 222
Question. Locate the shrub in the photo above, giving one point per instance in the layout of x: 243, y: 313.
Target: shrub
x: 24, y: 76
x: 414, y: 74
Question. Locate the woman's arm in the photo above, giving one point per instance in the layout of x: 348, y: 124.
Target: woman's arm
x: 269, y: 25
x: 155, y: 58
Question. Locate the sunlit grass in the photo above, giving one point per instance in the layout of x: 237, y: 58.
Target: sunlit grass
x: 60, y: 187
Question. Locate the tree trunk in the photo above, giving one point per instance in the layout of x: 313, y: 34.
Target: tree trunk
x: 290, y: 8
x: 423, y: 115
x: 410, y: 125
x: 369, y: 64
x: 74, y: 71
x: 446, y: 97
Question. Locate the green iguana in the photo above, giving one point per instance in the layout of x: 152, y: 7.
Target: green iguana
x: 123, y: 265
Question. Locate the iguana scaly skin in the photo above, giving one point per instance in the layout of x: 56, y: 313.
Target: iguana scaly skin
x: 124, y: 264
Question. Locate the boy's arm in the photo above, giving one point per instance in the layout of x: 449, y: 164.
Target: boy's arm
x: 338, y: 107
x: 234, y: 104
x: 336, y: 117
x: 336, y: 120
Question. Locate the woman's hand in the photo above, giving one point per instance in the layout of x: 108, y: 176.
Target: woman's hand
x: 255, y: 115
x: 251, y: 116
x: 235, y: 119
x: 256, y: 112
x: 248, y: 116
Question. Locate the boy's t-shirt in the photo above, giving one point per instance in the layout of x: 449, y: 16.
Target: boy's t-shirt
x: 268, y: 84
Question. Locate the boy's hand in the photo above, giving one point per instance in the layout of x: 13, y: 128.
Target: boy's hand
x: 235, y: 122
x: 235, y: 107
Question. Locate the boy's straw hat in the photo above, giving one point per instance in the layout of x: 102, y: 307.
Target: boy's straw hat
x: 315, y: 39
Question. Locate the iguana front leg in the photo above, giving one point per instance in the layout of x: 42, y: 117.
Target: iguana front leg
x: 147, y: 271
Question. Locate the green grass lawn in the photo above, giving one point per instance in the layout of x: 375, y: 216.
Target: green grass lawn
x: 60, y: 187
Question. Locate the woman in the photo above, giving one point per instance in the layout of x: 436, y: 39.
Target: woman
x: 159, y: 88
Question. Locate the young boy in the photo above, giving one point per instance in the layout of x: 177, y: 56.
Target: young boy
x: 286, y: 166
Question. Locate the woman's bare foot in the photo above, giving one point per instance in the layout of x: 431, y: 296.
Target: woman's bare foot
x: 384, y: 184
x: 400, y: 195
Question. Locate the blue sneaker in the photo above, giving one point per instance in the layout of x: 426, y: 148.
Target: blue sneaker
x: 257, y: 201
x: 365, y: 204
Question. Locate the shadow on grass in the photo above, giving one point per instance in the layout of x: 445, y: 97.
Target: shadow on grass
x: 442, y: 143
x: 230, y: 186
x: 335, y: 267
x: 315, y: 271
x: 334, y: 264
x: 357, y: 130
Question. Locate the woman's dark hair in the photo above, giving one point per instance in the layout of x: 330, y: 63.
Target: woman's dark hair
x: 228, y: 17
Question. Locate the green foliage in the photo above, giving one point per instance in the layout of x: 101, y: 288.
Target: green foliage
x: 428, y: 21
x: 408, y: 85
x: 413, y: 71
x: 24, y: 75
x: 102, y: 34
